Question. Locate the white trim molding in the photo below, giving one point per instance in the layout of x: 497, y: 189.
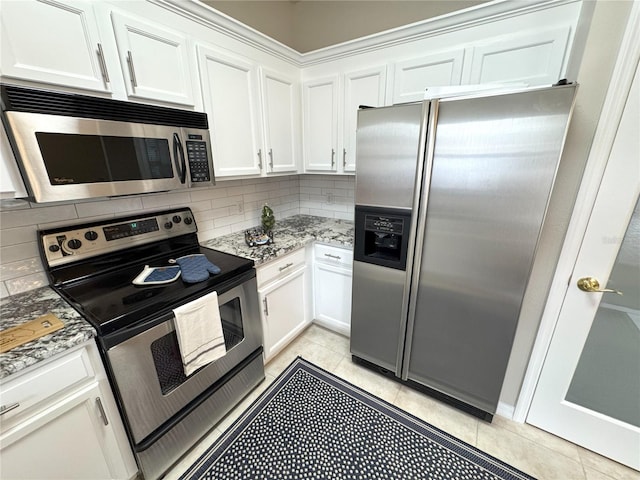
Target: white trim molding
x: 621, y: 79
x: 478, y: 15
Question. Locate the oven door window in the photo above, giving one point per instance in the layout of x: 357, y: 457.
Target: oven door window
x: 166, y: 352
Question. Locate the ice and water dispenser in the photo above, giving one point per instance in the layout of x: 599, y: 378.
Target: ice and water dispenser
x: 382, y: 236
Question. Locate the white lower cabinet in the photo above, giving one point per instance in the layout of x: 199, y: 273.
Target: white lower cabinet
x: 60, y: 421
x: 283, y: 290
x: 332, y: 273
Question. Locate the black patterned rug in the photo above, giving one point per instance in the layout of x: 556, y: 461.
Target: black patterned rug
x: 312, y: 425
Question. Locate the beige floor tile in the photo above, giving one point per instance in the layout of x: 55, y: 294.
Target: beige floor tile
x: 368, y: 380
x: 438, y: 414
x: 530, y: 457
x: 539, y: 436
x: 606, y: 466
x: 321, y: 356
x: 333, y: 341
x: 592, y: 474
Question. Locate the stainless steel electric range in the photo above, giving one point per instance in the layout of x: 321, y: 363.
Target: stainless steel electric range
x: 165, y: 412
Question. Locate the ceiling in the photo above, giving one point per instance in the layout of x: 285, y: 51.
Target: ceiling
x: 307, y: 25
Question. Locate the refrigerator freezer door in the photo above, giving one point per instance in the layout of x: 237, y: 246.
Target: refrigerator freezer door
x: 494, y: 164
x: 387, y: 147
x: 376, y: 313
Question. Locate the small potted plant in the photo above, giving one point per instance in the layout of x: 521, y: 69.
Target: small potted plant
x: 268, y: 220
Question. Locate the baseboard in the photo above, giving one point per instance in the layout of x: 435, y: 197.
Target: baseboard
x: 505, y: 410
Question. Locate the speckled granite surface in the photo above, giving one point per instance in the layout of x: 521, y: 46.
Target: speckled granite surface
x: 21, y: 308
x: 289, y: 234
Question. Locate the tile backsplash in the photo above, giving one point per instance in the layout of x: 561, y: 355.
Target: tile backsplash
x: 230, y: 206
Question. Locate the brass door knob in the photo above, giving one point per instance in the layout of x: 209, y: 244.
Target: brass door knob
x: 590, y: 284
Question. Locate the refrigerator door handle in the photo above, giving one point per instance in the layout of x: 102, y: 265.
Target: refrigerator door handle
x: 418, y: 225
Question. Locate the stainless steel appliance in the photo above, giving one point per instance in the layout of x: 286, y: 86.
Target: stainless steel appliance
x: 450, y: 198
x: 72, y: 146
x: 165, y: 412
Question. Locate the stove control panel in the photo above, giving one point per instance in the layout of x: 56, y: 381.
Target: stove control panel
x: 76, y: 242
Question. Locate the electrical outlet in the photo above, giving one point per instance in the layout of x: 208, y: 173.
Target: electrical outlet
x: 240, y: 206
x: 329, y: 198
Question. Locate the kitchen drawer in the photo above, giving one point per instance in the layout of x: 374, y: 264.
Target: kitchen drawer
x: 333, y: 255
x: 36, y: 389
x: 280, y: 267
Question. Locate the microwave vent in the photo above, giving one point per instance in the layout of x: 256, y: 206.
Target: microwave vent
x: 20, y: 99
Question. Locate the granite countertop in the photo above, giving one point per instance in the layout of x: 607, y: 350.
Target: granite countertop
x: 289, y: 234
x: 21, y: 308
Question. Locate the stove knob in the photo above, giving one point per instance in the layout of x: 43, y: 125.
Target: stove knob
x: 74, y: 244
x: 188, y: 221
x: 91, y: 235
x: 177, y: 219
x: 54, y: 248
x: 168, y: 225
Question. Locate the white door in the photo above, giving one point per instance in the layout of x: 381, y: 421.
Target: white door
x: 155, y: 61
x: 589, y: 388
x: 52, y: 42
x: 230, y: 94
x: 364, y: 87
x: 320, y: 124
x: 279, y: 110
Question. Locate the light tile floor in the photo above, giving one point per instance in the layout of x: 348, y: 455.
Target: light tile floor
x: 528, y: 448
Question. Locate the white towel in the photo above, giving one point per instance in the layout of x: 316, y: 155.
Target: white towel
x: 199, y: 332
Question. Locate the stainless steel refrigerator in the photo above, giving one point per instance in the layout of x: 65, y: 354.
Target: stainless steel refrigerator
x: 451, y: 195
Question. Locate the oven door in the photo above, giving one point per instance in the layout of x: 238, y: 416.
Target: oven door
x: 148, y: 371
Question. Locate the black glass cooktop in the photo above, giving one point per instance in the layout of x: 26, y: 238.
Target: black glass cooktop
x: 109, y: 301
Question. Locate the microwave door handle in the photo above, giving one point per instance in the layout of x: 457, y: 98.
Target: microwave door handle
x: 178, y: 151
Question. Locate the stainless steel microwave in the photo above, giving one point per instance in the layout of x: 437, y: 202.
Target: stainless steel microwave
x: 72, y: 146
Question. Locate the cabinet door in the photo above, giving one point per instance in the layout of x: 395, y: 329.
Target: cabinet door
x: 320, y: 131
x: 68, y: 440
x: 52, y: 42
x: 332, y: 295
x: 230, y: 90
x: 412, y: 77
x: 154, y: 61
x: 532, y: 58
x: 283, y: 311
x: 364, y: 87
x: 280, y: 101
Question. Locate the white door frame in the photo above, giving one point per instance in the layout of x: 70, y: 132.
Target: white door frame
x: 604, y: 137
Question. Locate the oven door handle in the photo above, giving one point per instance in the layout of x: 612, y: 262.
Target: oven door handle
x: 178, y: 151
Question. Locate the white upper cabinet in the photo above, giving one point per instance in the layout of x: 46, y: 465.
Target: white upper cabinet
x: 412, y: 77
x: 281, y: 106
x: 331, y: 117
x: 531, y: 58
x: 231, y: 100
x: 320, y: 128
x: 53, y: 42
x: 366, y: 88
x: 155, y: 61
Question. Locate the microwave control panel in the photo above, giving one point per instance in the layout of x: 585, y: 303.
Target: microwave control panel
x: 198, y: 160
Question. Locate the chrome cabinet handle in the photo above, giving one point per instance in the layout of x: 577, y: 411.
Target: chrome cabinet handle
x: 344, y: 157
x: 260, y: 159
x: 7, y: 408
x: 134, y: 81
x: 333, y: 157
x: 285, y: 267
x: 271, y: 158
x: 103, y: 65
x: 590, y: 284
x: 266, y: 307
x: 337, y: 257
x: 103, y: 414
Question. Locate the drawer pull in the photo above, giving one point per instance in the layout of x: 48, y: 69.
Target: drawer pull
x: 103, y: 414
x: 337, y: 257
x: 285, y: 267
x: 266, y: 307
x: 4, y: 409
